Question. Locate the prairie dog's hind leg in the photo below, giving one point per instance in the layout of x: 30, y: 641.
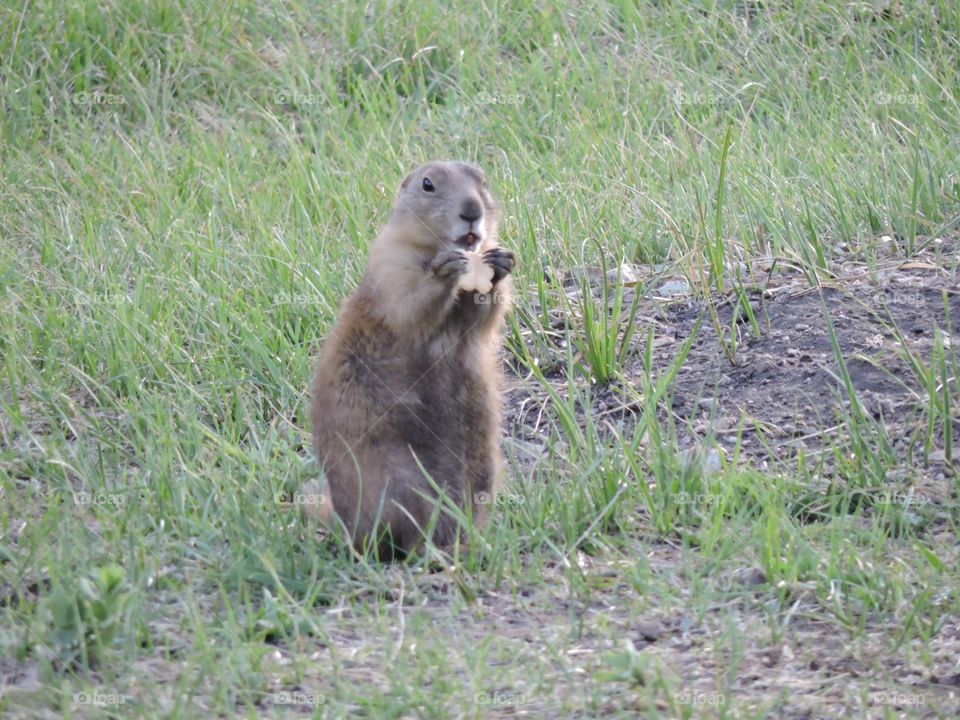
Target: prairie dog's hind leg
x: 314, y: 502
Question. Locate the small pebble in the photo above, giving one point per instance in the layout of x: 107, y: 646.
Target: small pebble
x: 673, y: 288
x: 750, y: 577
x: 650, y: 630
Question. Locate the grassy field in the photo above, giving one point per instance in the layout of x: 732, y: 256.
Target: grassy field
x: 188, y: 193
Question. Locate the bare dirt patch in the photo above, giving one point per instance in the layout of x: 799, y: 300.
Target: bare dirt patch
x: 781, y: 392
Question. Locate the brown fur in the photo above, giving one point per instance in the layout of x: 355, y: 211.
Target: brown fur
x: 408, y: 377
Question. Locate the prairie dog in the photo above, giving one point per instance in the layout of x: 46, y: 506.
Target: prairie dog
x: 407, y: 382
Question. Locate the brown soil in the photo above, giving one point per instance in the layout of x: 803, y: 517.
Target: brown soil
x: 781, y: 391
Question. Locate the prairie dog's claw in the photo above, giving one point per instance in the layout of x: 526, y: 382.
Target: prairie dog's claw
x: 502, y: 262
x: 449, y: 264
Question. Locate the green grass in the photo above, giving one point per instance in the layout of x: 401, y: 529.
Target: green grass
x: 188, y: 192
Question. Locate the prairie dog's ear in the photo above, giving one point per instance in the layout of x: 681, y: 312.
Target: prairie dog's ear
x: 406, y: 180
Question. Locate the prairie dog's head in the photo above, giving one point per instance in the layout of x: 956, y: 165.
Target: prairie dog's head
x: 444, y: 205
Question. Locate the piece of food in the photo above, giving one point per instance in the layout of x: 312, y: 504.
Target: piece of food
x: 479, y: 275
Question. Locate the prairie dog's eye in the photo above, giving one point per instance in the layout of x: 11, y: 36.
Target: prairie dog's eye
x: 428, y: 185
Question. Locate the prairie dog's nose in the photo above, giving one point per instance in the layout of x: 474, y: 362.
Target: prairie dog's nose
x: 471, y: 210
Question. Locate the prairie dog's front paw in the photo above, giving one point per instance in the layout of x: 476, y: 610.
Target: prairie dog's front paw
x: 449, y: 264
x: 502, y: 262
